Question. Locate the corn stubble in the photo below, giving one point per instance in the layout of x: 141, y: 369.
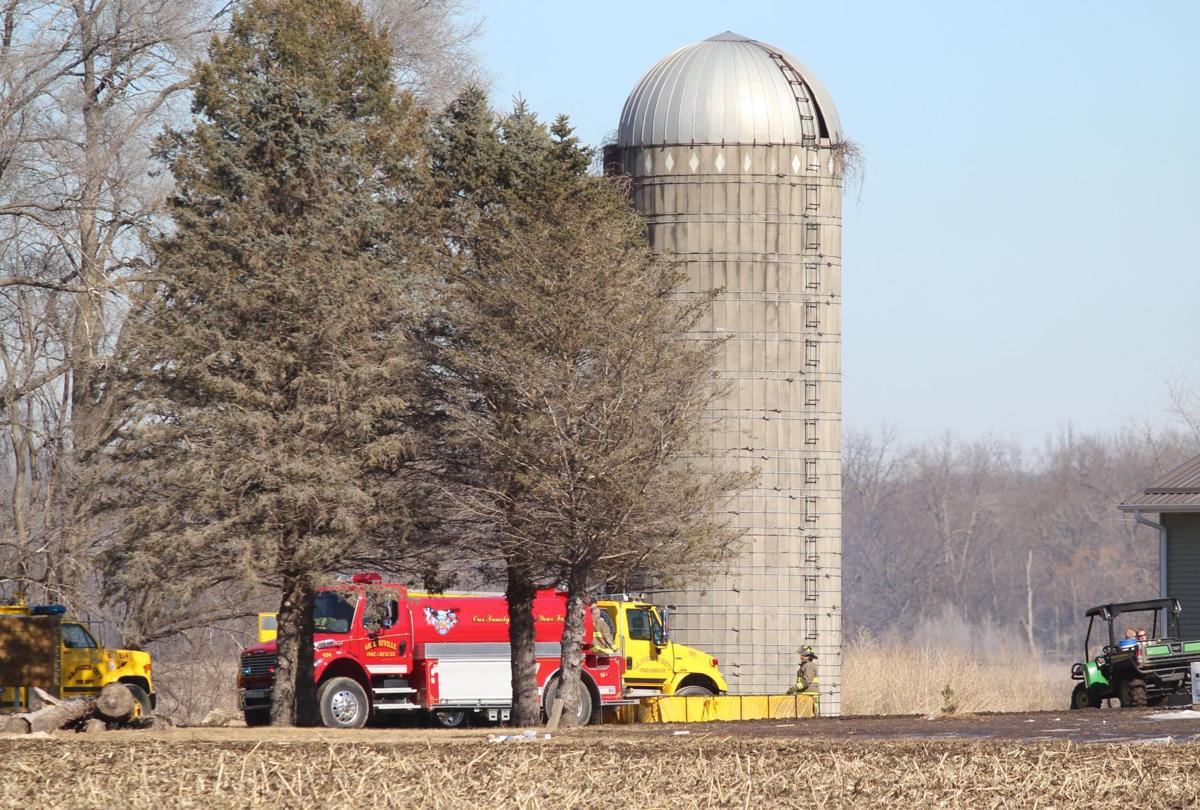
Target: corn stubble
x: 710, y: 772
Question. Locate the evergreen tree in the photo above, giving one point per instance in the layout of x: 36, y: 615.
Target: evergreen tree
x: 573, y: 398
x: 269, y: 425
x: 483, y: 167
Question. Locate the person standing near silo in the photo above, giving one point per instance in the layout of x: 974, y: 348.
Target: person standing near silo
x: 735, y: 154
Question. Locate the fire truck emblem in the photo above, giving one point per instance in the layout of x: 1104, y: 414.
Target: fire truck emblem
x: 443, y: 621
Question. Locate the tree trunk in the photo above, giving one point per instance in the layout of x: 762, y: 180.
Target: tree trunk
x: 572, y: 646
x: 49, y: 718
x: 115, y: 702
x: 293, y: 700
x: 89, y: 314
x: 1029, y: 636
x: 520, y: 591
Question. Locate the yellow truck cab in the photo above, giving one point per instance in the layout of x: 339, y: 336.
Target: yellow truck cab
x: 85, y: 666
x: 268, y: 627
x: 655, y: 665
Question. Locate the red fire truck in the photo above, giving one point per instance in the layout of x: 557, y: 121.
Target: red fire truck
x: 379, y: 648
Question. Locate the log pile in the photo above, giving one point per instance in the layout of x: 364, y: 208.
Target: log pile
x: 114, y: 706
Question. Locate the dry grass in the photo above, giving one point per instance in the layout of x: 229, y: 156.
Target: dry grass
x: 585, y: 771
x: 189, y: 690
x: 899, y: 677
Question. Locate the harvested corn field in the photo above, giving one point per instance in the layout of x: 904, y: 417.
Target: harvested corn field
x: 707, y: 768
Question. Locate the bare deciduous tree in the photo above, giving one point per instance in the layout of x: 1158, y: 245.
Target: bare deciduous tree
x: 431, y: 45
x: 972, y: 528
x: 84, y: 87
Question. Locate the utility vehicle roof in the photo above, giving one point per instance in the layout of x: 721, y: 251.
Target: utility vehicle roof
x: 1114, y: 609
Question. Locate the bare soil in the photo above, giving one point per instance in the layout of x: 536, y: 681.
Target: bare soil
x: 1091, y: 726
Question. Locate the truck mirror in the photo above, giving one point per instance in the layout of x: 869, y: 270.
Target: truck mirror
x: 658, y: 631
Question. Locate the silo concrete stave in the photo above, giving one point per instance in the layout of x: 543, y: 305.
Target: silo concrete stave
x: 734, y: 152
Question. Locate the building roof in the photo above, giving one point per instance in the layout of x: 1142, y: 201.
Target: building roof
x: 728, y: 89
x: 1177, y: 491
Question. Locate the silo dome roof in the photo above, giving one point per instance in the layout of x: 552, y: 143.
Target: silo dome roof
x: 728, y: 89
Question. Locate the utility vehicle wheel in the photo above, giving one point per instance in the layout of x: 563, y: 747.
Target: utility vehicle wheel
x: 584, y: 716
x: 257, y: 717
x: 451, y: 718
x: 142, y: 708
x: 1133, y: 693
x: 694, y: 691
x: 1082, y: 698
x: 343, y: 703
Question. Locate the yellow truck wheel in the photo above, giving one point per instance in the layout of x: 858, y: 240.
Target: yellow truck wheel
x: 141, y: 700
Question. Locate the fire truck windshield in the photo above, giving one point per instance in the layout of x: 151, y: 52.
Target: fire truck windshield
x: 333, y: 612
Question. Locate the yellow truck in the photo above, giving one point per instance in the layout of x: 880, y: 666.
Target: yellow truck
x: 655, y: 665
x: 84, y: 666
x: 637, y: 630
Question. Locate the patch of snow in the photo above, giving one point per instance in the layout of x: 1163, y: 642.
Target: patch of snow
x: 1181, y: 714
x: 1153, y: 741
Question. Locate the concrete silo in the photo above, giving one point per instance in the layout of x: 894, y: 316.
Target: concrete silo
x: 735, y: 152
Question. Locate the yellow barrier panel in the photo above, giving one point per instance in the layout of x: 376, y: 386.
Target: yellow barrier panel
x: 675, y: 709
x: 755, y: 707
x: 729, y: 707
x: 783, y: 707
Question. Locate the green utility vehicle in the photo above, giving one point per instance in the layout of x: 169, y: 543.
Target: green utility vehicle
x: 1137, y: 673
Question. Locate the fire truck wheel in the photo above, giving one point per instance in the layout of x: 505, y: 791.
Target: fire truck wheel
x: 451, y: 718
x: 343, y: 703
x: 693, y: 691
x: 257, y: 717
x: 585, y: 702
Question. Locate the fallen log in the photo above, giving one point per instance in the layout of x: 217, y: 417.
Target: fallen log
x: 50, y: 718
x: 115, y: 702
x: 46, y: 697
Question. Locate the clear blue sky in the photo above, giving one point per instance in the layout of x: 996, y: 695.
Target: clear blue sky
x: 1024, y: 251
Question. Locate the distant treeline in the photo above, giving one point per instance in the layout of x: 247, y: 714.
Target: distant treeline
x: 995, y: 535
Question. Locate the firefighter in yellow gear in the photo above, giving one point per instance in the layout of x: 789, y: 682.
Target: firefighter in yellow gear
x: 807, y: 680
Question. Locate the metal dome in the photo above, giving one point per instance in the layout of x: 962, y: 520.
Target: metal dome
x: 728, y: 89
